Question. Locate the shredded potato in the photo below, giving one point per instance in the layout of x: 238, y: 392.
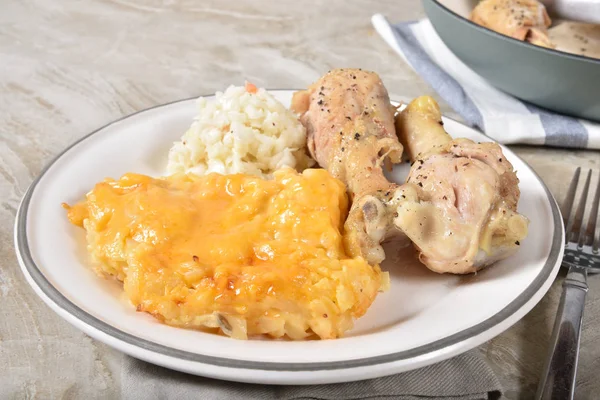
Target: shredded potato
x: 234, y: 253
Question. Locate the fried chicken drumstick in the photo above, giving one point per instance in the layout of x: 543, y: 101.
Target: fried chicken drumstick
x: 459, y: 203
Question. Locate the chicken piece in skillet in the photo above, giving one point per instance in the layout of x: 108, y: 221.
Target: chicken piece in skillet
x: 525, y: 20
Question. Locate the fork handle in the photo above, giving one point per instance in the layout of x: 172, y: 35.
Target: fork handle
x: 558, y: 379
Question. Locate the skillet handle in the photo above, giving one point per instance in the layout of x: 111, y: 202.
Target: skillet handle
x: 558, y: 378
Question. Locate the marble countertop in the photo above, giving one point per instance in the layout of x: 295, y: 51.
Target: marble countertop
x: 69, y: 67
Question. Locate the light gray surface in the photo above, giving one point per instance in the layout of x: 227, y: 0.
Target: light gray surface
x: 70, y: 67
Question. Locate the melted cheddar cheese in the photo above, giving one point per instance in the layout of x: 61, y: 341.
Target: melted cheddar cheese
x: 234, y: 253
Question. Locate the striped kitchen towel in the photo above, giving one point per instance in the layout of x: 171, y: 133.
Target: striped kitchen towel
x: 501, y: 116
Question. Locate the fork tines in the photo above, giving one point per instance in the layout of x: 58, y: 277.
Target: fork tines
x: 577, y: 230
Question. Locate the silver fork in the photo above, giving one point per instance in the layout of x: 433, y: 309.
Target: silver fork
x: 581, y: 257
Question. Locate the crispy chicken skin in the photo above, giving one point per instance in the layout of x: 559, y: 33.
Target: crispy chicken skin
x: 461, y: 208
x: 525, y: 20
x: 350, y: 132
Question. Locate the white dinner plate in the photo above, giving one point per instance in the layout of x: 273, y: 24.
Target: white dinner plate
x: 424, y: 318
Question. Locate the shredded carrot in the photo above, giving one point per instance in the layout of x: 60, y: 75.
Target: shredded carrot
x: 251, y: 88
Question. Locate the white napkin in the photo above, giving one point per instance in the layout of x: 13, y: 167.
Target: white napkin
x: 501, y: 116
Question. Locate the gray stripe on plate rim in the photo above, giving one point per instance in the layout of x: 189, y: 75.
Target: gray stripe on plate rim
x: 22, y: 248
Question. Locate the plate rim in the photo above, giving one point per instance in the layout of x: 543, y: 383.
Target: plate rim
x: 35, y: 276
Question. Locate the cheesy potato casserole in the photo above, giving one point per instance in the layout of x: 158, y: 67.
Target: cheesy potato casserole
x: 232, y: 253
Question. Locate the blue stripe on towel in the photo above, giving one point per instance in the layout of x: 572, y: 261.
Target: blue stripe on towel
x: 561, y: 131
x: 447, y: 87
